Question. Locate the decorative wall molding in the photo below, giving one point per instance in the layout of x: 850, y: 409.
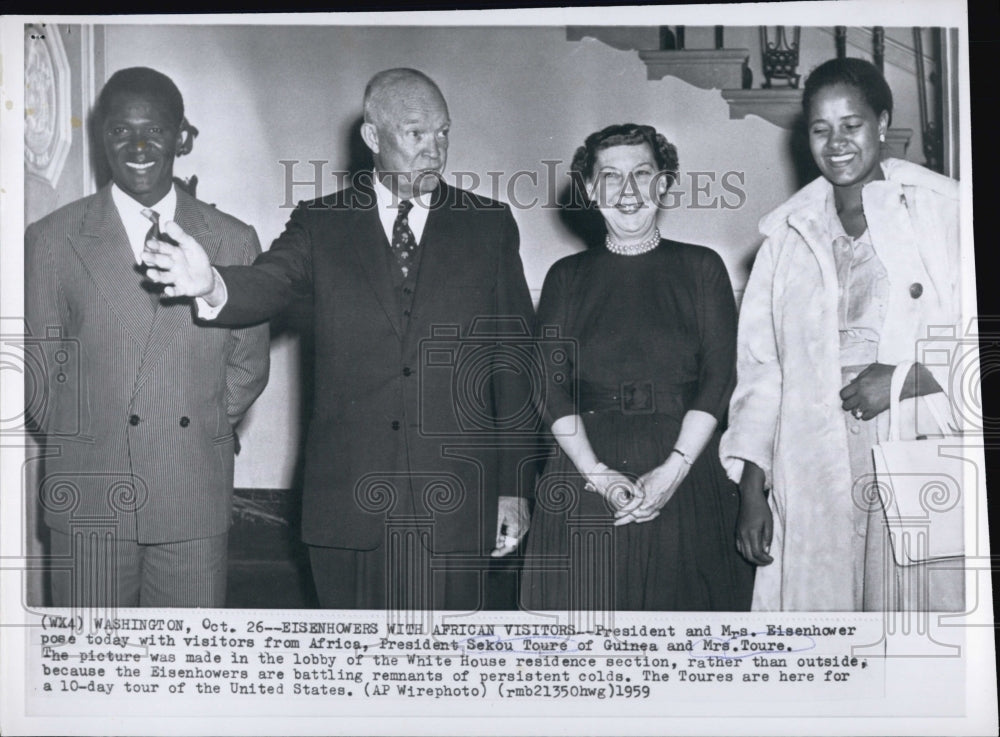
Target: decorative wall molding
x: 623, y: 38
x: 88, y: 97
x: 709, y: 69
x: 782, y: 107
x: 897, y: 140
x: 47, y: 113
x: 726, y: 70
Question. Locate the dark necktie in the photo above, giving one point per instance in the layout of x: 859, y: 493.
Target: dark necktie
x: 404, y: 245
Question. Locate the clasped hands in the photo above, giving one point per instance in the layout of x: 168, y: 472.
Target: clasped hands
x: 640, y: 500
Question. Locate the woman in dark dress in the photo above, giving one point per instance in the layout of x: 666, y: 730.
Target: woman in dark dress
x: 635, y: 512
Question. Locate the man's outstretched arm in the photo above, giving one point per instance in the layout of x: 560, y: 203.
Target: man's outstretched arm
x: 241, y: 295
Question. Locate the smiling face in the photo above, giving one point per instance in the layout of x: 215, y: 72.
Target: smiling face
x: 844, y: 136
x: 409, y: 139
x: 626, y: 187
x: 140, y: 141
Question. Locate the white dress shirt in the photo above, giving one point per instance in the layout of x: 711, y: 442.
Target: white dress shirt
x: 136, y: 224
x: 388, y: 209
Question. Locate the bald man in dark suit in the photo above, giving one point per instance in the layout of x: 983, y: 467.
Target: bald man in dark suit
x: 404, y: 497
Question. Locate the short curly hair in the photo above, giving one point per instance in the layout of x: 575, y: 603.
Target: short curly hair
x: 626, y: 134
x: 858, y: 73
x: 145, y: 82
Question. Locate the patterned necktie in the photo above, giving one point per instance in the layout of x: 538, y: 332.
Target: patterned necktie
x: 404, y: 245
x: 153, y: 289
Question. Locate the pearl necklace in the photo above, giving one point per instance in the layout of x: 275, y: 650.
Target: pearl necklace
x: 633, y: 249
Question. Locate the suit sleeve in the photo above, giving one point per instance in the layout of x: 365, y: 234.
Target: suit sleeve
x: 46, y: 309
x: 248, y: 354
x: 277, y: 277
x: 513, y: 390
x: 717, y: 354
x: 753, y: 411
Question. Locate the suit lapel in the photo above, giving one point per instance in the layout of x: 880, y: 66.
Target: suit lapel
x: 173, y: 315
x: 369, y: 245
x: 103, y: 248
x: 442, y: 248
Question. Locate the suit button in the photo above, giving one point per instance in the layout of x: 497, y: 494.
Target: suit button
x: 185, y: 421
x: 133, y: 420
x: 406, y: 313
x: 406, y: 371
x: 916, y: 289
x: 407, y: 290
x: 395, y: 424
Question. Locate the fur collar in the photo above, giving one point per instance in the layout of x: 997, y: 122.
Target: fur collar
x: 811, y: 199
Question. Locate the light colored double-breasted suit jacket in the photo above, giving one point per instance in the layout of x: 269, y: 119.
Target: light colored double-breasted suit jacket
x: 137, y: 403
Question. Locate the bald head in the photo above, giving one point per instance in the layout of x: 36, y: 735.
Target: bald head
x: 389, y: 92
x: 406, y: 127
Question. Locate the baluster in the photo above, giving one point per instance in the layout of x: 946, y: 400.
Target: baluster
x: 668, y: 42
x: 930, y: 132
x: 840, y: 39
x: 781, y: 58
x: 878, y: 50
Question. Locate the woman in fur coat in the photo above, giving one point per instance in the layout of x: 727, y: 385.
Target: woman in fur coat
x: 854, y: 269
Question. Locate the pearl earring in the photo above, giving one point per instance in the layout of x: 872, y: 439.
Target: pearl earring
x: 881, y: 137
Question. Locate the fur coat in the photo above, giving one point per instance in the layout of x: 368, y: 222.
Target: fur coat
x: 785, y: 414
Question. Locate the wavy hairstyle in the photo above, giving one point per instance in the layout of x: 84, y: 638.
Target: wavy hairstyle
x: 626, y: 134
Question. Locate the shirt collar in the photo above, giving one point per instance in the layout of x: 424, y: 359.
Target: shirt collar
x: 387, y: 200
x: 166, y: 206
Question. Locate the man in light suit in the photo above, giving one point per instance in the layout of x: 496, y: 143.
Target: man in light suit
x: 136, y: 486
x: 407, y: 485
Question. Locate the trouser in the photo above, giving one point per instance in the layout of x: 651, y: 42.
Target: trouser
x: 398, y: 579
x: 94, y: 571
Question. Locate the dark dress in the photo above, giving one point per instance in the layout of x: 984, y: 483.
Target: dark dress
x: 654, y: 335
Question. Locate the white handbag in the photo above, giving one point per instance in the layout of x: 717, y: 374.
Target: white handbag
x: 920, y: 484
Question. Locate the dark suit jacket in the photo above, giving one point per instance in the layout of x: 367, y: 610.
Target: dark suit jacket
x: 404, y: 426
x: 137, y: 404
